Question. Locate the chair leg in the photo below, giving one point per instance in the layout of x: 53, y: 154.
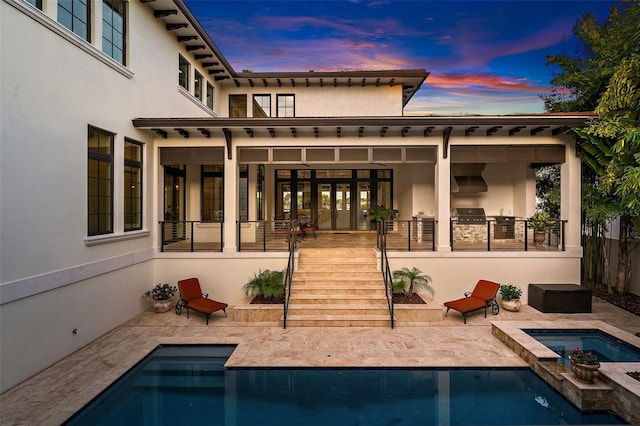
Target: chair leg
x: 207, y: 316
x: 445, y: 314
x: 225, y: 312
x: 464, y: 317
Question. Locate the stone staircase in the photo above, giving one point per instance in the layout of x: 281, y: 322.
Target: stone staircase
x: 338, y: 288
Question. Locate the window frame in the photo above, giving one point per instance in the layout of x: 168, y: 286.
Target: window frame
x: 210, y: 94
x: 213, y: 175
x: 183, y: 75
x: 285, y: 96
x: 86, y: 20
x: 128, y: 194
x: 259, y: 104
x: 233, y: 108
x: 35, y: 3
x: 108, y: 25
x: 104, y: 200
x: 198, y: 82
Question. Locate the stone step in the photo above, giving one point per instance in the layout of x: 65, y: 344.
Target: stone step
x: 324, y: 309
x: 338, y: 291
x: 332, y: 265
x: 338, y: 320
x: 352, y: 274
x: 339, y: 299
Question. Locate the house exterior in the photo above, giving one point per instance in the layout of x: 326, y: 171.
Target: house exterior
x: 125, y: 130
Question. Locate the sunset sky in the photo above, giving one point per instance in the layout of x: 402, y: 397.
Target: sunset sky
x: 485, y: 57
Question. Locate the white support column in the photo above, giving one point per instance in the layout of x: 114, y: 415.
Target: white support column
x: 230, y: 202
x: 443, y: 201
x: 571, y: 196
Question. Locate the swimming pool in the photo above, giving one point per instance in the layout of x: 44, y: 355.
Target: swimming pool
x: 190, y: 385
x: 605, y: 346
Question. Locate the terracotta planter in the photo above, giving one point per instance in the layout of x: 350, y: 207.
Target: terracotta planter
x: 585, y: 373
x: 513, y: 305
x: 160, y: 306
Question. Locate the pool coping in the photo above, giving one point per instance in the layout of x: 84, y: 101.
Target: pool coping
x: 613, y: 390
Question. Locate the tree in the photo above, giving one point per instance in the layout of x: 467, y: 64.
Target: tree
x: 606, y: 78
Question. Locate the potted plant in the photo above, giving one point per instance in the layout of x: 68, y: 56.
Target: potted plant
x: 510, y: 297
x: 381, y: 213
x: 541, y: 223
x: 266, y: 286
x: 584, y: 365
x: 161, y: 295
x: 407, y: 282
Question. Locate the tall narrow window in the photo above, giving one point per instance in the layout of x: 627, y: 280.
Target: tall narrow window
x: 132, y: 185
x: 74, y: 14
x: 212, y: 194
x: 197, y: 85
x: 209, y: 95
x: 260, y: 193
x: 243, y: 193
x: 36, y: 3
x: 237, y: 105
x: 100, y: 182
x: 261, y: 105
x: 286, y: 105
x: 113, y: 29
x: 183, y: 72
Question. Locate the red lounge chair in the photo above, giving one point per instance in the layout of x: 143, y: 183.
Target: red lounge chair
x: 483, y: 296
x: 192, y: 297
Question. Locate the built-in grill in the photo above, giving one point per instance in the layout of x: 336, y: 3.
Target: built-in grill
x: 471, y: 216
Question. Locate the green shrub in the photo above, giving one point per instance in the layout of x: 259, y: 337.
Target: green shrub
x: 266, y: 284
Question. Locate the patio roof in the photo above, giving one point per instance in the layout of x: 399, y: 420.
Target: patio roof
x: 502, y: 125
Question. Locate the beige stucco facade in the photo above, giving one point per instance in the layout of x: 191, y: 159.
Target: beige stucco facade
x: 55, y: 279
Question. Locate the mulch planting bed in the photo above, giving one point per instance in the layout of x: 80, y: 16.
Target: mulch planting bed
x: 628, y: 302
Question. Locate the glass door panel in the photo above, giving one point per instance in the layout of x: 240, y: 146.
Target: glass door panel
x: 343, y: 206
x: 325, y: 200
x: 174, y: 211
x: 364, y: 203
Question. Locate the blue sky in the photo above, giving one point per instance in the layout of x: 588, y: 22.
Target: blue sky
x: 485, y: 57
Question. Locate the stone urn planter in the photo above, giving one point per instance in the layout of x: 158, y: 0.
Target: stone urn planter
x: 513, y: 305
x: 160, y: 306
x: 584, y: 372
x: 510, y: 297
x: 539, y: 238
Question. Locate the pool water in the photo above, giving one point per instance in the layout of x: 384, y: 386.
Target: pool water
x: 606, y: 347
x: 189, y: 385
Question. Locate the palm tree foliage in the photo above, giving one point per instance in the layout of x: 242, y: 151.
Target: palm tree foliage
x: 266, y: 284
x: 410, y: 281
x: 605, y: 78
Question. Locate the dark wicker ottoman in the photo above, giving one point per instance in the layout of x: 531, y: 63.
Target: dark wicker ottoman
x: 560, y: 298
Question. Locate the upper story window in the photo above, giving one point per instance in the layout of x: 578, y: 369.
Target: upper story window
x: 286, y: 105
x: 74, y: 14
x: 237, y: 105
x: 183, y: 72
x: 197, y: 85
x: 132, y: 185
x: 262, y: 105
x: 113, y: 29
x: 100, y: 182
x: 36, y: 3
x: 209, y: 95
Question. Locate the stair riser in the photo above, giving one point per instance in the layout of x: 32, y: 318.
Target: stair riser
x: 338, y: 323
x: 325, y: 266
x: 342, y: 292
x: 337, y: 311
x: 347, y: 300
x: 369, y: 275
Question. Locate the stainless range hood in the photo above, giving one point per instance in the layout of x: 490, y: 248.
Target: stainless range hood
x: 467, y: 178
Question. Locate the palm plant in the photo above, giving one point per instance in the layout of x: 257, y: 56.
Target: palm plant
x: 266, y: 284
x: 408, y: 281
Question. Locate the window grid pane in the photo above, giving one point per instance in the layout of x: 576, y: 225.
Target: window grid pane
x: 99, y: 182
x: 237, y: 105
x: 183, y: 72
x: 262, y: 106
x: 197, y: 85
x: 132, y: 186
x: 113, y: 38
x: 286, y: 106
x: 210, y: 95
x: 74, y: 15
